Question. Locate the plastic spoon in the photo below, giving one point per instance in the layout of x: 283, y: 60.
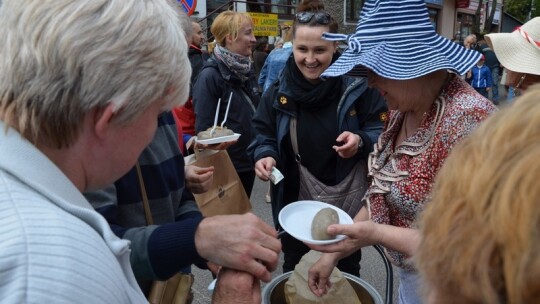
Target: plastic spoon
x: 215, y: 118
x: 227, y: 110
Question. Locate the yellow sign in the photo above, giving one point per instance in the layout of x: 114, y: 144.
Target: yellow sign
x: 265, y: 24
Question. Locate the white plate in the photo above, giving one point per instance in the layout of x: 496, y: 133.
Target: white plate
x: 218, y: 140
x: 296, y: 218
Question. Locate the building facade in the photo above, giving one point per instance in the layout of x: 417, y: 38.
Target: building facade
x: 452, y: 19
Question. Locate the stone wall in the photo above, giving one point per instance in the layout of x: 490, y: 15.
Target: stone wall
x: 335, y: 8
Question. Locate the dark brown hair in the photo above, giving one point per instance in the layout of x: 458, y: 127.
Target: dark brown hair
x: 309, y: 6
x: 315, y: 6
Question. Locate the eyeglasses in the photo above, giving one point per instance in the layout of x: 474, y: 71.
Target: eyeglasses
x: 320, y: 17
x: 520, y: 81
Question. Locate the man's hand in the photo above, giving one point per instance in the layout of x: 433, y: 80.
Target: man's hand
x: 242, y: 242
x: 236, y: 287
x: 198, y: 179
x: 214, y: 268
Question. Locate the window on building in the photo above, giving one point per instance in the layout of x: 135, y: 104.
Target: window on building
x: 282, y: 6
x: 434, y: 18
x: 352, y: 10
x: 464, y: 25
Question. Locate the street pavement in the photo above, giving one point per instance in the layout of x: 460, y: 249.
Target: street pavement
x: 372, y: 267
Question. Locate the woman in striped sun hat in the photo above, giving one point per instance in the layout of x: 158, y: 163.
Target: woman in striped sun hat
x: 431, y: 110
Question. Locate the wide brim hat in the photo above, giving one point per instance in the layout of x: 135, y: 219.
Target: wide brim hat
x: 519, y: 51
x: 396, y: 40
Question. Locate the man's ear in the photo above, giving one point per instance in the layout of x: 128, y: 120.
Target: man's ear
x: 103, y: 119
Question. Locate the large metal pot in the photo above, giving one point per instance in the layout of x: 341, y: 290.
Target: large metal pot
x: 274, y: 292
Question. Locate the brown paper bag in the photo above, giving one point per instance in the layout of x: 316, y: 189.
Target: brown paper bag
x: 227, y: 195
x: 176, y: 290
x: 297, y: 290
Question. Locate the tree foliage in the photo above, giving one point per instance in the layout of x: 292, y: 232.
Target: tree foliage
x: 490, y: 14
x: 522, y: 8
x: 476, y: 25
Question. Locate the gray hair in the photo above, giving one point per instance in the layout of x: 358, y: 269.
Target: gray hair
x: 61, y: 58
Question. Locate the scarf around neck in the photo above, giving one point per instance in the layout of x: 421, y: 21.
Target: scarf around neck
x: 307, y: 95
x: 238, y: 64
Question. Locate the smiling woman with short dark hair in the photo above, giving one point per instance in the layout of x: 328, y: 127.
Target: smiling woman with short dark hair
x: 315, y: 130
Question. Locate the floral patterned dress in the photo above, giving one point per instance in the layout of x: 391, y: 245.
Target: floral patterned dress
x: 402, y: 175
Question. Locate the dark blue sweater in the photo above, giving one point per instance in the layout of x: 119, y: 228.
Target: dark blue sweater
x: 160, y: 250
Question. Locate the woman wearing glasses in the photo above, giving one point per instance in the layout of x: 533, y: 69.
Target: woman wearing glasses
x: 337, y: 122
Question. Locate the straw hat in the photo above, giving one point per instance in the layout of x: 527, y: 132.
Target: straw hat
x: 396, y: 40
x: 519, y: 51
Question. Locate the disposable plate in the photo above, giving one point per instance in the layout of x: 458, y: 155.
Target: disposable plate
x: 218, y: 140
x: 296, y: 218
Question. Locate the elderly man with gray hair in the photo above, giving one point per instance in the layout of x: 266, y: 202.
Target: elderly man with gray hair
x: 76, y: 78
x: 81, y: 89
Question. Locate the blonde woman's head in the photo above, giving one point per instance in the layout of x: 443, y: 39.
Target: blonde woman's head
x: 234, y: 31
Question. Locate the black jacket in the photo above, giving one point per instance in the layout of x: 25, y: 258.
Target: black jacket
x: 197, y: 58
x: 361, y: 110
x: 216, y: 81
x: 491, y: 59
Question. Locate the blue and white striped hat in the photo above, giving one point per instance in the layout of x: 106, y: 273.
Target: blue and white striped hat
x: 396, y: 40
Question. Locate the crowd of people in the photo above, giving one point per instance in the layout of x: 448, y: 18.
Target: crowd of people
x: 95, y: 100
x: 500, y: 59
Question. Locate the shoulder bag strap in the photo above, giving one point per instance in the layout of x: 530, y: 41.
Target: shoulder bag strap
x: 294, y: 139
x: 147, y: 211
x: 176, y: 289
x: 248, y: 99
